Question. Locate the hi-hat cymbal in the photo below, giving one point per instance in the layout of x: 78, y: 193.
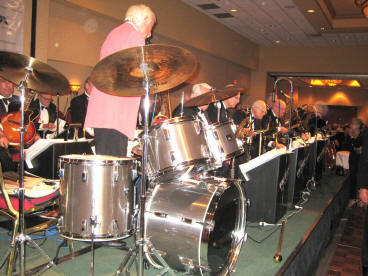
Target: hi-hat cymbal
x: 213, y: 96
x: 42, y: 77
x: 120, y: 73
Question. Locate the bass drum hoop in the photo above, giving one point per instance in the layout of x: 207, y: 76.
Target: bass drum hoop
x: 238, y: 232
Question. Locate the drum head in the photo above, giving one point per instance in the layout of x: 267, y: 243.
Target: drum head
x: 221, y: 239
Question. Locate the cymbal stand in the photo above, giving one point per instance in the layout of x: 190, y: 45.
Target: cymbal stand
x: 21, y: 239
x: 140, y: 240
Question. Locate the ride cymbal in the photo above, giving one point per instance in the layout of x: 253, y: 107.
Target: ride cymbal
x: 213, y: 96
x: 120, y: 74
x: 41, y: 77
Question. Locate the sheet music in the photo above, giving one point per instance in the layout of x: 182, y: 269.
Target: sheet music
x: 41, y: 145
x: 256, y: 162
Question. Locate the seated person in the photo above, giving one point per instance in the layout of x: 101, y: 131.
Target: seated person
x: 8, y: 103
x: 44, y: 116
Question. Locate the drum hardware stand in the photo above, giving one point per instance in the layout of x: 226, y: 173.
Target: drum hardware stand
x: 21, y: 238
x: 137, y: 253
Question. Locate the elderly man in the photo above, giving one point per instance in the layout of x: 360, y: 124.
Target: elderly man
x: 248, y: 124
x: 273, y: 122
x: 44, y: 112
x: 114, y: 118
x: 8, y: 103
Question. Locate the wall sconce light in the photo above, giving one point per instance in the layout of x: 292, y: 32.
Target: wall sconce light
x: 363, y: 4
x: 74, y: 87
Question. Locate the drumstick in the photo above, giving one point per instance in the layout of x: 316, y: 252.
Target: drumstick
x: 278, y: 258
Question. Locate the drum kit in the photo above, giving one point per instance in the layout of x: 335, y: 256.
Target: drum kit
x: 184, y: 219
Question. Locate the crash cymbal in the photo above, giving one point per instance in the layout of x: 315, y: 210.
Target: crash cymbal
x: 120, y: 73
x: 213, y: 96
x: 42, y: 78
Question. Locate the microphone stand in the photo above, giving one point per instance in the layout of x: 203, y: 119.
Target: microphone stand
x: 141, y: 242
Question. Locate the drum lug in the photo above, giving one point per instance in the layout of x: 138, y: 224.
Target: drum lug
x: 84, y: 228
x: 115, y: 227
x: 116, y: 175
x: 208, y: 226
x: 84, y: 176
x: 61, y: 173
x: 161, y: 215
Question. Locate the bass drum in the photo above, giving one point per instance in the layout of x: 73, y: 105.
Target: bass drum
x: 197, y: 226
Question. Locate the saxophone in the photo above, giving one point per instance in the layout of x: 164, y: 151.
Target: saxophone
x: 245, y: 127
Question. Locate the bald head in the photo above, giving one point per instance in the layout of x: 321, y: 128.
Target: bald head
x: 259, y: 109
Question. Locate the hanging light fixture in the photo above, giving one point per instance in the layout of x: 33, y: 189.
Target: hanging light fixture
x: 363, y: 4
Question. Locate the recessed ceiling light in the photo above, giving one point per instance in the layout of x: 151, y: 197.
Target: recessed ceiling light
x: 233, y: 10
x: 277, y: 41
x: 311, y: 11
x: 323, y: 28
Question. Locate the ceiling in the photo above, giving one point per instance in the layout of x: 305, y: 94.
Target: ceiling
x: 275, y: 23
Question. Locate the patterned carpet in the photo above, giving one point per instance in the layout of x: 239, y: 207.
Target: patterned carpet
x: 346, y: 260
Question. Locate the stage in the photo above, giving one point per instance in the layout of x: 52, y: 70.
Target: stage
x: 307, y: 233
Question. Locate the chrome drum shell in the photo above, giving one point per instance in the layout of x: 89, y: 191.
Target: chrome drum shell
x: 96, y: 197
x: 175, y: 145
x: 222, y: 141
x: 197, y: 227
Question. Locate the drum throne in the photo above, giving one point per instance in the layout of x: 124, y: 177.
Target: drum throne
x: 39, y: 213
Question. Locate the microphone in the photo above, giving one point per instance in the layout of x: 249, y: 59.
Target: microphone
x: 273, y: 94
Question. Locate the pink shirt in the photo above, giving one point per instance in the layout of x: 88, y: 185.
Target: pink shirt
x: 115, y: 112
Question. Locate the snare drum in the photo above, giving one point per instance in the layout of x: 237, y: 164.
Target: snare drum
x: 222, y: 141
x: 97, y: 197
x: 174, y: 145
x: 197, y: 226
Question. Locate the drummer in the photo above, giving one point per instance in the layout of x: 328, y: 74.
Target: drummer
x: 114, y: 118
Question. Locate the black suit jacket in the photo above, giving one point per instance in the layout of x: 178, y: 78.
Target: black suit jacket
x: 35, y: 107
x: 14, y: 105
x: 78, y: 111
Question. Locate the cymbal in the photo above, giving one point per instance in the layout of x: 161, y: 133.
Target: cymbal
x: 213, y: 96
x: 120, y: 73
x: 42, y: 78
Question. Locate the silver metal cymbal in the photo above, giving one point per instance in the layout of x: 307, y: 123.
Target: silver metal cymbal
x: 41, y: 78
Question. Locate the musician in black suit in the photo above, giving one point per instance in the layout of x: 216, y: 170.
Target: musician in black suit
x: 44, y: 114
x: 78, y: 108
x: 8, y: 103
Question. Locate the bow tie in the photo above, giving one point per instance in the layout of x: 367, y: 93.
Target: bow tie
x: 43, y: 107
x: 6, y: 101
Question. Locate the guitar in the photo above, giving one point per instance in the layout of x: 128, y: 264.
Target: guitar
x: 11, y: 124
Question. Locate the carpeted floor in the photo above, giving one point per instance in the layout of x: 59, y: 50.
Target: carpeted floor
x: 346, y: 260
